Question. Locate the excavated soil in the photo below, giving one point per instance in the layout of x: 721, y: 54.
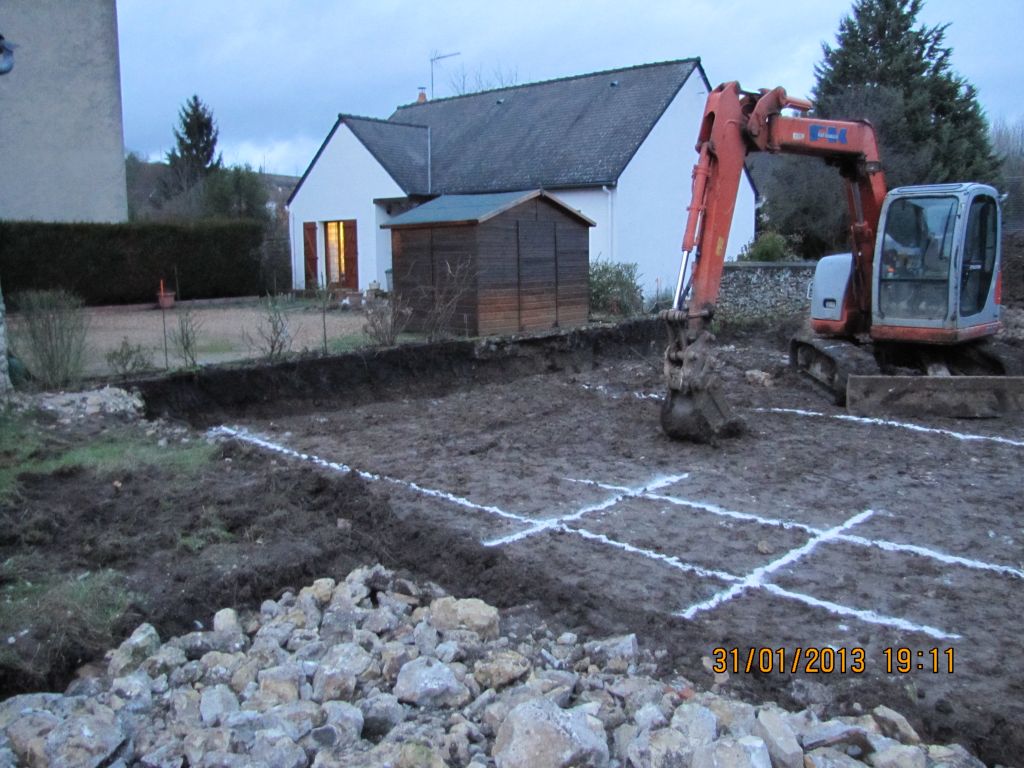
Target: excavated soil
x: 542, y: 479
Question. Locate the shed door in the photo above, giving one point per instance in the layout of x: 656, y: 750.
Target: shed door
x: 538, y: 275
x: 309, y: 254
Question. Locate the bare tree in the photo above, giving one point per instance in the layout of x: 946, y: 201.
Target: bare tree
x: 463, y: 81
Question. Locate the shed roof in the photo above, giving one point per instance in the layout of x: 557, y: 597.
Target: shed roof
x: 577, y: 131
x: 473, y: 209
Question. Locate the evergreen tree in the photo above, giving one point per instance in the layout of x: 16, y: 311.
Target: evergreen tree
x: 235, y: 193
x: 195, y: 154
x: 893, y: 71
x: 886, y: 68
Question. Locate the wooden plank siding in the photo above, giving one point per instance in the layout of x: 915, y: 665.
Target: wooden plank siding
x: 529, y: 270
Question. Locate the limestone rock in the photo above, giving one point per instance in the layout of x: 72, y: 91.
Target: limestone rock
x: 899, y: 756
x: 502, y: 669
x: 616, y: 654
x: 449, y: 613
x: 215, y: 703
x: 745, y: 752
x: 427, y: 682
x: 537, y: 734
x: 381, y: 713
x: 895, y: 725
x: 697, y: 723
x: 784, y: 749
x: 88, y: 740
x: 835, y: 732
x: 226, y: 620
x: 142, y: 643
x: 665, y: 748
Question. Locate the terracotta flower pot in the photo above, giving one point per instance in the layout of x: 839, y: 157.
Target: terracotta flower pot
x: 165, y: 299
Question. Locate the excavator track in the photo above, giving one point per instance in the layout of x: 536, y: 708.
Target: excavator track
x: 851, y: 376
x: 829, y: 363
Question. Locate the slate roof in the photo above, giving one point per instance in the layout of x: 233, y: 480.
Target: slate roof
x: 399, y: 147
x: 577, y: 131
x: 571, y: 132
x: 472, y: 209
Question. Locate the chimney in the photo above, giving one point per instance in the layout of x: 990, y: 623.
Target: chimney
x: 422, y: 97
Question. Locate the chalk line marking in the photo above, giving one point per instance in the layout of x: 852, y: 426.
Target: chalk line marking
x: 965, y: 436
x: 888, y: 546
x: 756, y: 578
x: 870, y: 617
x: 251, y: 437
x: 541, y: 526
x: 558, y: 524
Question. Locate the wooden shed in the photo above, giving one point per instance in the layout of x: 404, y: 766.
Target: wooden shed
x: 501, y: 263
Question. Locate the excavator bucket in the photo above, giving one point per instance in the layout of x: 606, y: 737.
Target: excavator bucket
x: 694, y: 408
x: 963, y: 397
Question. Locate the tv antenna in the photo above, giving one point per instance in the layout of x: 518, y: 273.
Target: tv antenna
x: 435, y: 57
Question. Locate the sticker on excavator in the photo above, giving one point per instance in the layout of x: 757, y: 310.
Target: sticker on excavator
x: 970, y: 397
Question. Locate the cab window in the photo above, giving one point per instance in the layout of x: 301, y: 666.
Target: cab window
x: 979, y: 257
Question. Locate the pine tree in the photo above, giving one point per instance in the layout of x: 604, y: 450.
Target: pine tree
x: 897, y: 73
x: 195, y: 154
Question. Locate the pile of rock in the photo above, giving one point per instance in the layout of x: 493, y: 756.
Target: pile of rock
x: 68, y: 407
x: 377, y: 671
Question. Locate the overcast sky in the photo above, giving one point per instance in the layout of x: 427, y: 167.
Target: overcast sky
x: 277, y: 72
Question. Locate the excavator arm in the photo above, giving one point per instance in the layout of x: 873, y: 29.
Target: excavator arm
x: 735, y: 124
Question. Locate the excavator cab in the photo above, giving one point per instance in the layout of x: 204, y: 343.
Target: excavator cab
x: 936, y: 271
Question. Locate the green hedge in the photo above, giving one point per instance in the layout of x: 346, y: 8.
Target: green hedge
x: 124, y: 263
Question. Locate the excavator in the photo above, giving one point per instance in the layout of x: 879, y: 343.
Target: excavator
x: 919, y: 292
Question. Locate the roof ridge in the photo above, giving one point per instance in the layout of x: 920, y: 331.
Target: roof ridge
x: 343, y: 116
x: 689, y: 60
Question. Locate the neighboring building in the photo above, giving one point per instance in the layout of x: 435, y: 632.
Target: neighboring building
x: 493, y: 263
x: 61, y: 135
x: 618, y: 146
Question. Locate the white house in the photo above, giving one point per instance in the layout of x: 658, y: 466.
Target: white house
x: 618, y: 146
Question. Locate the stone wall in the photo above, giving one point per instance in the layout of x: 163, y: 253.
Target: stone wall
x: 752, y: 292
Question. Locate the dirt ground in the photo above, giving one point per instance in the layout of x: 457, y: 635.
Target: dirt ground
x: 559, y: 492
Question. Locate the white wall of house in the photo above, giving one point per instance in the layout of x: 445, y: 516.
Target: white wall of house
x: 343, y: 185
x: 642, y: 218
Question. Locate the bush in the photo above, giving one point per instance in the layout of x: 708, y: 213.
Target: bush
x: 51, y: 336
x: 124, y: 263
x: 273, y: 336
x: 769, y: 246
x: 128, y: 358
x: 386, y: 319
x: 615, y: 288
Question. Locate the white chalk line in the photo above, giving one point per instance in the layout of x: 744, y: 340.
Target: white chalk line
x: 965, y: 436
x: 674, y: 562
x: 251, y: 437
x: 869, y: 617
x: 888, y: 546
x: 541, y: 526
x: 756, y: 578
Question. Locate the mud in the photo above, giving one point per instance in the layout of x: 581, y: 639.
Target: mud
x: 539, y: 478
x: 562, y: 465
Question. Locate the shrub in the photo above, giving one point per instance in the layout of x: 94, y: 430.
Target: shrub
x: 769, y: 246
x: 615, y: 288
x: 124, y: 263
x: 128, y: 358
x: 186, y: 338
x: 386, y: 319
x: 273, y: 336
x: 51, y: 336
